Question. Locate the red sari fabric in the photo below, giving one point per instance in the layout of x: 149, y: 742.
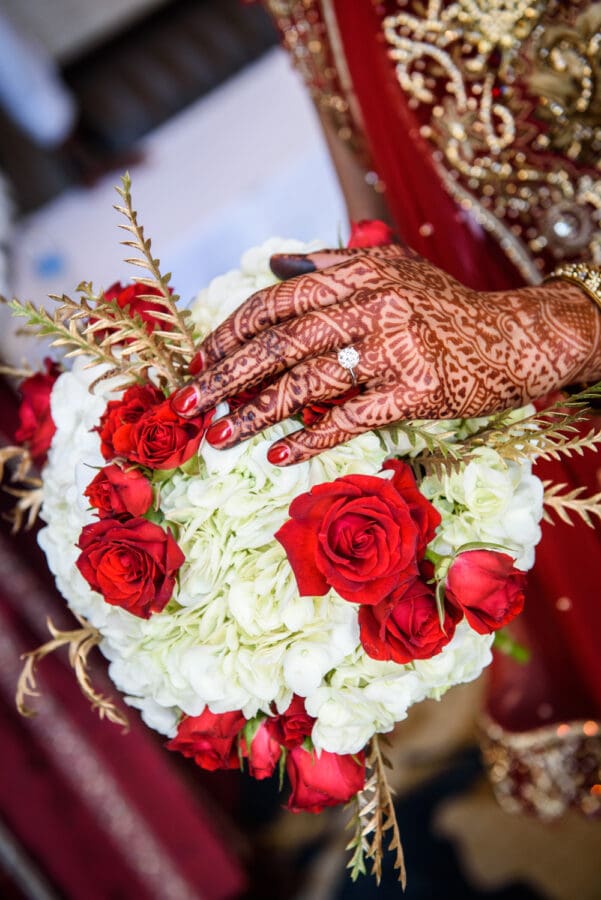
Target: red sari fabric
x: 97, y: 812
x: 562, y: 620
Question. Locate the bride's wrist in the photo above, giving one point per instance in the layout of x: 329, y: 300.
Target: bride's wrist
x: 576, y: 314
x: 555, y: 333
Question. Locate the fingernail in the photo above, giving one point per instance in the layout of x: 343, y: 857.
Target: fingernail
x: 278, y: 454
x: 186, y: 401
x: 197, y: 364
x: 287, y: 265
x: 210, y: 415
x: 219, y: 432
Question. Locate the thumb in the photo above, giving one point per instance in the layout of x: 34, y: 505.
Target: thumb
x: 288, y: 265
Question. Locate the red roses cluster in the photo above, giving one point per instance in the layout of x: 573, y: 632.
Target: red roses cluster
x: 366, y: 538
x: 143, y: 428
x: 36, y: 427
x: 131, y: 561
x: 220, y: 741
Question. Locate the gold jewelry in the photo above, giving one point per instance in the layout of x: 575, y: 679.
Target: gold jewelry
x: 584, y: 275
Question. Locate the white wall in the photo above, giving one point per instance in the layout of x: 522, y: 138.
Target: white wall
x: 245, y: 163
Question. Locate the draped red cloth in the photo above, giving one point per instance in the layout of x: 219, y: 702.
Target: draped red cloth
x: 562, y: 620
x: 97, y: 812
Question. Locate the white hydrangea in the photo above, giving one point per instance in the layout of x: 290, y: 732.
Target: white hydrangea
x: 489, y: 500
x: 236, y: 634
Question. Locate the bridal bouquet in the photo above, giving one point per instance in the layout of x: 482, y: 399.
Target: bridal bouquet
x: 264, y: 617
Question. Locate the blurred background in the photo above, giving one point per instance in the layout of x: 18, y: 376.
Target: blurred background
x: 197, y: 101
x: 193, y: 98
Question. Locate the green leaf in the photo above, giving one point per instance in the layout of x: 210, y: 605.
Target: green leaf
x: 510, y: 647
x: 282, y: 769
x: 250, y: 729
x: 440, y: 603
x: 482, y: 545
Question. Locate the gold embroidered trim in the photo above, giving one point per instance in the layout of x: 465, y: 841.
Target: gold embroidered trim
x: 545, y: 771
x: 501, y: 88
x: 512, y: 247
x: 310, y: 34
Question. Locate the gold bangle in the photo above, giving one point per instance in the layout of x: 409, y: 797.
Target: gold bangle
x: 584, y: 275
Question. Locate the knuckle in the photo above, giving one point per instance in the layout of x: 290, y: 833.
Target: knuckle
x: 274, y: 343
x: 347, y: 418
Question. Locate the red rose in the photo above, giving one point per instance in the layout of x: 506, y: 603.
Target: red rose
x: 291, y: 727
x: 424, y: 514
x: 407, y: 626
x: 133, y: 564
x: 135, y: 402
x: 487, y: 588
x: 160, y: 439
x: 116, y: 492
x: 210, y: 739
x: 356, y: 535
x: 36, y: 428
x: 370, y: 233
x: 325, y: 780
x: 264, y: 753
x: 135, y: 296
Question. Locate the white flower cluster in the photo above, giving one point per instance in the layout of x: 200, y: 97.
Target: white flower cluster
x: 236, y: 634
x: 488, y: 500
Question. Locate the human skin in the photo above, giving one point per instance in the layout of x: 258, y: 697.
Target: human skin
x: 428, y: 346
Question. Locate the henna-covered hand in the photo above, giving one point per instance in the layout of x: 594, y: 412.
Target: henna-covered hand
x: 428, y: 348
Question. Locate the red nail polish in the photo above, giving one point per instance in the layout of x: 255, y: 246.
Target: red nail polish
x: 278, y: 454
x: 219, y: 432
x: 186, y: 401
x: 197, y: 364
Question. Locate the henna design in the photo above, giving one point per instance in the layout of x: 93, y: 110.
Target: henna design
x: 347, y: 271
x: 429, y: 348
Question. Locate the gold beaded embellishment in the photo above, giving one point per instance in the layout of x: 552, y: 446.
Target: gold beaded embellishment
x: 305, y: 34
x: 508, y: 92
x: 585, y: 276
x: 545, y: 771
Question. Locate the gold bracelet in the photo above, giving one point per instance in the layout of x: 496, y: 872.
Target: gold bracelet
x: 584, y: 275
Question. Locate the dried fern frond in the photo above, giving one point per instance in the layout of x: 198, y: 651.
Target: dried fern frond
x: 548, y: 434
x: 358, y: 843
x: 127, y: 339
x: 441, y: 451
x: 180, y: 337
x: 374, y: 816
x: 19, y: 455
x: 112, y: 336
x: 79, y: 641
x: 555, y: 441
x: 29, y: 494
x: 571, y: 503
x: 13, y: 371
x: 29, y: 502
x: 62, y: 326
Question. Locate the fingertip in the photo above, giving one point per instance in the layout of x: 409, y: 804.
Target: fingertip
x: 219, y: 432
x: 198, y: 364
x: 289, y: 265
x: 186, y: 401
x: 279, y: 454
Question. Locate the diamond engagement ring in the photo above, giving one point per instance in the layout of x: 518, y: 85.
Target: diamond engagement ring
x: 348, y: 358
